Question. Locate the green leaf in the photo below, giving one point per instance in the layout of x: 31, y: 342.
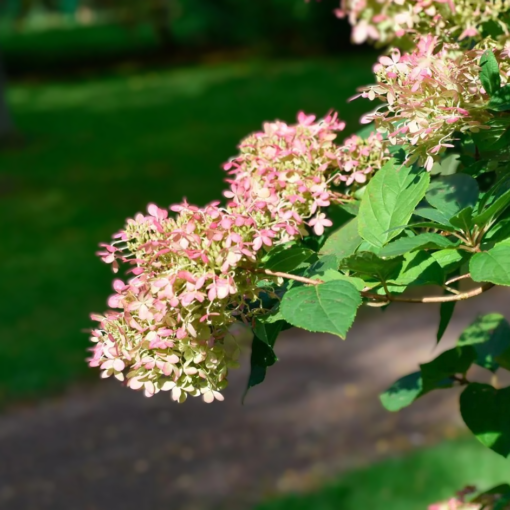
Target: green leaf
x: 446, y: 312
x: 463, y: 220
x: 288, y: 259
x: 500, y: 494
x: 419, y: 268
x: 344, y: 241
x: 480, y: 330
x: 489, y: 73
x: 402, y: 392
x: 330, y: 275
x: 494, y: 210
x: 494, y: 139
x: 366, y: 131
x: 447, y: 166
x: 437, y: 373
x: 490, y: 336
x: 452, y: 193
x: 500, y: 100
x: 351, y: 207
x: 477, y: 168
x: 499, y: 233
x: 268, y: 330
x: 449, y: 260
x: 492, y: 266
x: 370, y: 264
x: 389, y: 201
x: 441, y: 219
x: 420, y: 242
x: 320, y: 266
x: 262, y: 356
x: 486, y: 412
x: 326, y: 308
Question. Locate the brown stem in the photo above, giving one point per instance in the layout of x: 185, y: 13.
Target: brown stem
x: 390, y: 297
x: 457, y: 278
x: 432, y: 299
x: 461, y: 379
x: 451, y: 290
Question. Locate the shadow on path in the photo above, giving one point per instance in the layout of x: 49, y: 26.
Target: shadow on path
x: 316, y: 414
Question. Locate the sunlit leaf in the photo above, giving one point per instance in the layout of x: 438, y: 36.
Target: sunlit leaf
x: 389, y: 201
x: 326, y: 308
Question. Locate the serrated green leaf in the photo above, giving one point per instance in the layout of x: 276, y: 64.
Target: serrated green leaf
x: 344, y: 241
x: 489, y: 73
x: 419, y: 268
x: 438, y: 371
x: 486, y: 412
x: 447, y: 166
x: 320, y: 266
x: 463, y: 220
x: 480, y: 330
x: 289, y: 259
x: 389, y: 201
x: 449, y: 260
x: 490, y: 336
x: 370, y: 264
x: 446, y: 313
x: 452, y: 193
x: 494, y: 210
x: 492, y: 266
x: 495, y: 138
x: 262, y: 356
x: 477, y: 168
x: 351, y: 207
x: 402, y: 392
x: 268, y: 330
x: 499, y: 233
x: 330, y: 275
x: 500, y: 100
x: 326, y: 308
x: 425, y: 241
x: 441, y: 220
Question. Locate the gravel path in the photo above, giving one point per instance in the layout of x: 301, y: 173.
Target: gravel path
x: 106, y: 447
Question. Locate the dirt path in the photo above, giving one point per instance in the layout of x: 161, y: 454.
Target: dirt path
x: 106, y: 447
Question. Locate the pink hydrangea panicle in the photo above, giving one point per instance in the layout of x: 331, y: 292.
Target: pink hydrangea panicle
x: 383, y: 21
x: 430, y: 95
x: 192, y: 274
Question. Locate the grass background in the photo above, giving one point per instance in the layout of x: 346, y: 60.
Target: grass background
x: 407, y: 483
x: 97, y: 151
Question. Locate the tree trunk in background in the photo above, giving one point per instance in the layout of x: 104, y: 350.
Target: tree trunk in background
x: 6, y: 124
x: 160, y: 16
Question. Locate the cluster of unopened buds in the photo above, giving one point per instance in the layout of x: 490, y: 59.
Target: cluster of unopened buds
x: 197, y: 272
x: 383, y: 21
x: 431, y: 94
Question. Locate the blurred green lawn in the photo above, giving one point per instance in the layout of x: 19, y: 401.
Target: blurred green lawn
x: 97, y: 152
x: 408, y: 483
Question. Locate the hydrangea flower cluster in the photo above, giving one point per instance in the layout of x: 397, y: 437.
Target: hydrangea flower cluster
x: 384, y: 20
x: 360, y: 157
x: 430, y: 94
x: 195, y: 274
x: 455, y: 504
x: 282, y: 175
x: 485, y: 501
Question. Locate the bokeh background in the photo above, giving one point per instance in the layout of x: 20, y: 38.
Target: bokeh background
x: 105, y: 106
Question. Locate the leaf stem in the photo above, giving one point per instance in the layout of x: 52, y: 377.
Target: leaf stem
x: 390, y: 297
x: 457, y: 278
x: 461, y: 380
